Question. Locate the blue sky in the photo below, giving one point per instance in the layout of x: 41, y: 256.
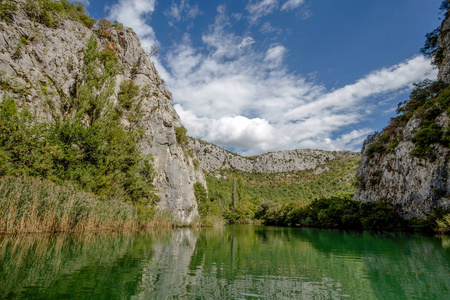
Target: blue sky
x: 266, y: 75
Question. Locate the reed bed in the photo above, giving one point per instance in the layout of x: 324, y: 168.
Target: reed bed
x: 163, y: 218
x: 208, y: 221
x: 30, y: 204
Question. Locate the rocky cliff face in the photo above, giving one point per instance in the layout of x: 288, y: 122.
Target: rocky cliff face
x: 415, y: 185
x: 408, y: 162
x: 212, y: 158
x: 43, y: 66
x: 443, y: 51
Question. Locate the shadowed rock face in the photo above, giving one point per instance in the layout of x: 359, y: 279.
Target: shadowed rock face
x: 50, y: 66
x: 415, y: 185
x: 213, y: 158
x: 444, y: 45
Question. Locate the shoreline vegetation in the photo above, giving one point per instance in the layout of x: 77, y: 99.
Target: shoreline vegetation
x: 82, y: 170
x: 35, y: 205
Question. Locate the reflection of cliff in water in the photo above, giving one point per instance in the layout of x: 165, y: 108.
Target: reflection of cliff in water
x: 234, y: 262
x: 242, y: 261
x: 166, y: 274
x: 238, y: 262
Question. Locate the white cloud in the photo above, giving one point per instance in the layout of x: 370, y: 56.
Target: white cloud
x: 230, y: 93
x: 381, y: 81
x: 223, y: 101
x: 261, y: 9
x: 291, y: 4
x: 182, y: 11
x: 274, y: 56
x: 241, y: 133
x: 268, y: 28
x: 247, y: 41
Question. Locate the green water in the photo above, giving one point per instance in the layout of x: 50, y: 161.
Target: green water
x: 234, y: 262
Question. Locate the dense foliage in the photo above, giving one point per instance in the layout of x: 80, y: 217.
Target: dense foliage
x: 428, y: 101
x: 7, y: 10
x: 344, y: 213
x: 308, y: 199
x: 85, y: 144
x: 49, y: 12
x: 238, y: 195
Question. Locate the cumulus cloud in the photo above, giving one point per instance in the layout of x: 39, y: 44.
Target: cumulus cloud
x: 234, y: 94
x: 291, y: 4
x: 225, y: 101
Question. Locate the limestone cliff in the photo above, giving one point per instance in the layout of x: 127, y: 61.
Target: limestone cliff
x: 43, y: 65
x: 443, y: 54
x: 212, y: 158
x: 408, y: 162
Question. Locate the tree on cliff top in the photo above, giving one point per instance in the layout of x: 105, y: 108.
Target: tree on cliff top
x: 431, y: 48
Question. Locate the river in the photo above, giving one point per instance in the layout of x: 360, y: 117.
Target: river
x: 232, y: 262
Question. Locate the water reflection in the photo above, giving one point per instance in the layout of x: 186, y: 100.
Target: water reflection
x: 166, y: 274
x: 235, y: 262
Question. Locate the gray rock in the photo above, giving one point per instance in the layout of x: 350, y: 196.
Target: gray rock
x: 213, y: 158
x: 444, y: 46
x: 415, y: 185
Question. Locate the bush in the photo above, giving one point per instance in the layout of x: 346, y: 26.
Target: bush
x: 127, y: 94
x: 181, y: 135
x: 376, y: 147
x: 429, y: 133
x: 427, y: 101
x: 104, y: 28
x: 443, y: 224
x: 84, y: 145
x: 49, y: 12
x: 202, y: 199
x: 7, y: 11
x: 344, y: 213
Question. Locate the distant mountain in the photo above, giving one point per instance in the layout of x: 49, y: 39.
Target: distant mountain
x: 214, y: 158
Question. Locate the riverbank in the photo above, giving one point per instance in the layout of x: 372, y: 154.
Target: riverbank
x: 32, y: 205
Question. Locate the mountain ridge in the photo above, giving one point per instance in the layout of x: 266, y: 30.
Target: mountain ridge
x: 212, y: 158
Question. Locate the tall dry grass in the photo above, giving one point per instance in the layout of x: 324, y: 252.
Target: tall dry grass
x: 38, y: 205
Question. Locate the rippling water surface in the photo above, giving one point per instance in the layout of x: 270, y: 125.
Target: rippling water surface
x: 234, y: 262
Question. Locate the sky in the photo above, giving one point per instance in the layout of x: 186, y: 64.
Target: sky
x: 255, y: 76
